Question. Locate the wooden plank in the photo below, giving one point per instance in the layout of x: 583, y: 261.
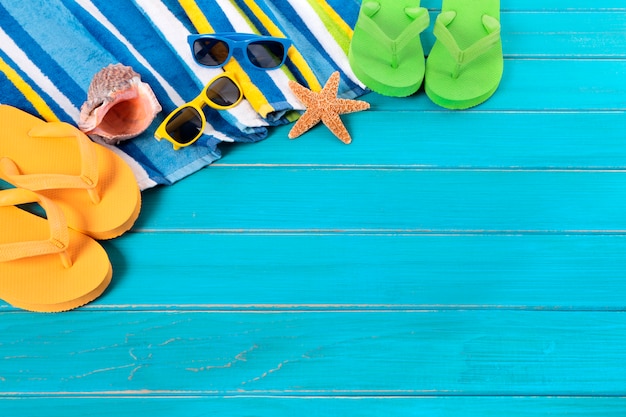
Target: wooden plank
x: 318, y: 407
x: 393, y: 200
x: 348, y: 354
x: 582, y: 34
x: 544, y: 85
x: 381, y: 271
x: 385, y: 138
x: 386, y: 272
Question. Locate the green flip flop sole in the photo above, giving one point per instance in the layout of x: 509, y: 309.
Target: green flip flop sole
x: 386, y: 51
x: 465, y: 65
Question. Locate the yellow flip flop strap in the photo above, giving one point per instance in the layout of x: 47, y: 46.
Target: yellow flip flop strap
x: 87, y: 179
x: 59, y: 235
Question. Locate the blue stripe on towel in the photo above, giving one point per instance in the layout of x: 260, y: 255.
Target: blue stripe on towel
x: 347, y: 9
x: 216, y: 15
x: 55, y: 41
x: 12, y: 95
x: 146, y: 42
x: 178, y: 12
x: 249, y: 14
x: 42, y: 60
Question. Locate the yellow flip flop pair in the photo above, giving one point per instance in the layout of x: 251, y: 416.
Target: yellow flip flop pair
x: 87, y: 192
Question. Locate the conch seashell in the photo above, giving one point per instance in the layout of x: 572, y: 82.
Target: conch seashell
x: 119, y: 105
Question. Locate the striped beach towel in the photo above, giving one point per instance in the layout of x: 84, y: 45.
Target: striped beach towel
x: 50, y: 50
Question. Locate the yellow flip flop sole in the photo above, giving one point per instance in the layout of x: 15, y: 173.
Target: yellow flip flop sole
x: 44, y: 265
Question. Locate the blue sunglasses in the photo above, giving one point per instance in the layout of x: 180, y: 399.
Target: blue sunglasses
x: 215, y: 50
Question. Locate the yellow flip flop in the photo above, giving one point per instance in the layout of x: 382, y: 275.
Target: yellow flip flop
x: 94, y: 187
x: 44, y: 265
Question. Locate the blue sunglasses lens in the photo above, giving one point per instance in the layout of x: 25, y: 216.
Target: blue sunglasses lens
x: 266, y: 54
x: 210, y: 52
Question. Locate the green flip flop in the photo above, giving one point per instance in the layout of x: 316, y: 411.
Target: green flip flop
x: 465, y: 65
x: 386, y: 51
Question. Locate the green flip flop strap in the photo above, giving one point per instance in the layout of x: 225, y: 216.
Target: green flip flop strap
x: 467, y: 55
x: 421, y: 20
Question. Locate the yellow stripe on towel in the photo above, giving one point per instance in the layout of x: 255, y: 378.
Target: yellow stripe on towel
x: 295, y: 56
x: 340, y: 30
x: 196, y: 16
x: 28, y: 92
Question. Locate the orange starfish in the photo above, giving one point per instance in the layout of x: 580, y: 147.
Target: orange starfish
x: 325, y: 107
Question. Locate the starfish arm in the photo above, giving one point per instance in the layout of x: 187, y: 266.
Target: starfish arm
x: 343, y: 106
x: 332, y: 86
x: 306, y: 96
x: 304, y: 123
x: 334, y: 123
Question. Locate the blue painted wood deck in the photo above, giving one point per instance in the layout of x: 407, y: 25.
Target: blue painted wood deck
x: 468, y: 263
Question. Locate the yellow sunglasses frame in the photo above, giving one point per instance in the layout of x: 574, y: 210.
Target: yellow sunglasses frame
x: 197, y: 103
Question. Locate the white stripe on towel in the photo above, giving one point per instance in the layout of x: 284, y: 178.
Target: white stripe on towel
x: 320, y: 32
x: 95, y: 12
x: 175, y: 34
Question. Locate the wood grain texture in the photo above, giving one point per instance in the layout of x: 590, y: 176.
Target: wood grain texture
x: 392, y: 200
x: 316, y: 271
x: 467, y: 263
x: 540, y: 140
x: 373, y: 271
x: 358, y: 353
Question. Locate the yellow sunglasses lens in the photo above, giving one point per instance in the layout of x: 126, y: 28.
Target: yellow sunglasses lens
x: 223, y: 92
x: 185, y: 126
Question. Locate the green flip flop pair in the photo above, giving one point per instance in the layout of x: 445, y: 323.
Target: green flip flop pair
x: 463, y: 68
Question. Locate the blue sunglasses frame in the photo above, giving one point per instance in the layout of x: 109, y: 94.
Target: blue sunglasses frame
x: 239, y: 41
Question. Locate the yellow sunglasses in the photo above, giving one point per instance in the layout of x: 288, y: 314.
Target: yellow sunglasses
x: 185, y: 125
